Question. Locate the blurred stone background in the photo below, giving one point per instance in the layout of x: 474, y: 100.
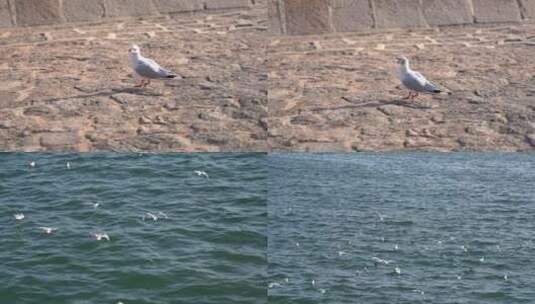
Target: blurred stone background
x: 324, y: 16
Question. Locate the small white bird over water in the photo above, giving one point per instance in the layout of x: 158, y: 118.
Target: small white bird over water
x: 48, y: 230
x: 19, y: 216
x: 201, y: 173
x: 415, y: 82
x: 146, y: 68
x: 101, y: 236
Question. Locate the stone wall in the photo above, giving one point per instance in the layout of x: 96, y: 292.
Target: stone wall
x: 42, y: 12
x: 296, y: 17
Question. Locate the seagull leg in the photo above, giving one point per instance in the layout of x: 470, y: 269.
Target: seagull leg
x: 415, y: 95
x: 141, y: 84
x: 408, y: 97
x: 147, y: 83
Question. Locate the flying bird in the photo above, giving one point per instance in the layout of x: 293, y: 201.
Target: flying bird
x: 201, y: 173
x: 146, y: 68
x: 415, y: 82
x: 101, y: 236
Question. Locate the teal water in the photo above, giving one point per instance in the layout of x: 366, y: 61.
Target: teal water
x: 209, y: 249
x: 460, y: 228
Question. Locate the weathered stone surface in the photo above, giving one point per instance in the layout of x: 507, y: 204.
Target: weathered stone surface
x: 227, y: 4
x: 5, y: 14
x: 447, y: 12
x: 496, y: 11
x: 274, y: 17
x: 83, y: 10
x: 118, y: 8
x: 177, y: 6
x: 307, y: 16
x: 64, y: 140
x: 38, y: 12
x: 351, y: 15
x: 528, y: 9
x: 398, y: 13
x: 336, y: 98
x: 69, y: 87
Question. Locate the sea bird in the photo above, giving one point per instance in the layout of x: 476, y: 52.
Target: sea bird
x: 48, y: 230
x: 415, y: 82
x: 101, y: 236
x: 19, y: 216
x: 146, y: 68
x: 201, y: 173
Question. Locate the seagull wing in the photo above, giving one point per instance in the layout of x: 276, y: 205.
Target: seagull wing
x: 417, y: 82
x: 149, y: 68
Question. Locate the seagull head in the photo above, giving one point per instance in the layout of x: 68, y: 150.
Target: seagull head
x: 402, y: 60
x: 134, y: 49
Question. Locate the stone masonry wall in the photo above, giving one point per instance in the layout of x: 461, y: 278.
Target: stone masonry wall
x: 296, y: 17
x: 43, y: 12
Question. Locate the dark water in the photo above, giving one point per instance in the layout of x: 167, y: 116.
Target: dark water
x: 210, y: 249
x: 460, y: 228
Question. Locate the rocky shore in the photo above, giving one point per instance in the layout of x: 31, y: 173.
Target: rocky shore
x: 69, y: 87
x: 339, y: 92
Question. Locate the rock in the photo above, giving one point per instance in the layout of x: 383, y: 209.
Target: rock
x: 530, y: 139
x: 83, y: 10
x: 38, y: 111
x: 144, y: 120
x: 38, y: 12
x: 65, y: 140
x: 496, y: 11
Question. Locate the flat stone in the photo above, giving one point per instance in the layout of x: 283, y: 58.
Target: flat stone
x: 5, y: 14
x: 274, y: 17
x: 83, y: 10
x: 398, y: 14
x: 528, y: 9
x: 490, y: 11
x: 307, y: 17
x: 119, y: 8
x: 351, y: 15
x: 176, y: 6
x: 38, y: 12
x: 227, y: 4
x: 59, y: 140
x: 447, y: 12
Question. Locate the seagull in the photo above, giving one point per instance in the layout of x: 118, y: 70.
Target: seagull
x: 32, y: 164
x: 151, y: 215
x: 95, y: 205
x: 19, y: 216
x: 101, y: 236
x: 146, y: 68
x: 414, y: 81
x: 380, y: 261
x: 48, y: 230
x: 202, y: 173
x: 68, y: 165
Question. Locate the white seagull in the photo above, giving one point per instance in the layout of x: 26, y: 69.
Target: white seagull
x: 48, y: 230
x: 19, y: 216
x: 201, y: 173
x: 415, y: 82
x: 101, y: 236
x: 146, y: 68
x: 151, y: 215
